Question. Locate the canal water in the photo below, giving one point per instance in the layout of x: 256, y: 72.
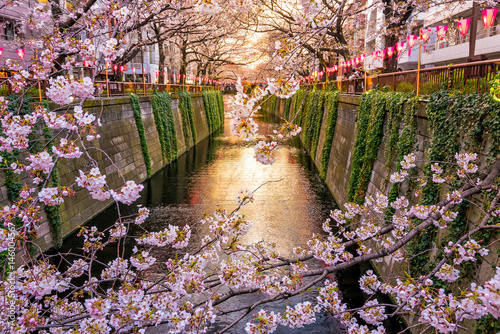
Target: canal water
x: 287, y: 212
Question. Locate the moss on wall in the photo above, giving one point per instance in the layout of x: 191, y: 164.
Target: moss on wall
x: 136, y: 109
x: 164, y: 121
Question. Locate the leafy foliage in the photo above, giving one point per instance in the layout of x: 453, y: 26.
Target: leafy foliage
x: 332, y: 103
x: 211, y: 103
x: 186, y: 109
x: 164, y: 120
x: 136, y: 109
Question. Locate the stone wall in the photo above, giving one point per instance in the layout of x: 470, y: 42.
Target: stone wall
x: 339, y: 171
x: 118, y: 148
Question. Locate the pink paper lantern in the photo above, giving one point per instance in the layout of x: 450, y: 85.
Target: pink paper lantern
x: 374, y: 55
x: 399, y: 47
x: 441, y: 32
x: 489, y: 17
x: 20, y: 53
x: 390, y: 51
x: 463, y: 26
x: 412, y: 40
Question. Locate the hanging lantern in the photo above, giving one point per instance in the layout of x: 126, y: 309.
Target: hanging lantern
x: 390, y: 51
x: 381, y: 53
x: 463, y: 26
x: 426, y: 34
x: 441, y: 32
x: 374, y: 55
x: 399, y: 47
x: 356, y: 60
x: 1, y: 52
x: 133, y: 70
x: 412, y: 39
x: 362, y: 57
x: 489, y: 17
x: 121, y: 68
x: 115, y: 68
x: 20, y: 53
x: 143, y: 70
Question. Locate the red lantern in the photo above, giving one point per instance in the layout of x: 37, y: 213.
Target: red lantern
x: 115, y: 68
x: 362, y: 57
x: 463, y: 26
x: 441, y: 32
x: 121, y: 68
x: 390, y: 51
x: 357, y: 61
x: 426, y: 34
x: 1, y: 52
x: 143, y: 70
x: 133, y: 70
x: 489, y: 17
x: 412, y: 39
x: 108, y: 64
x: 374, y: 55
x: 399, y: 47
x: 381, y: 53
x: 20, y: 53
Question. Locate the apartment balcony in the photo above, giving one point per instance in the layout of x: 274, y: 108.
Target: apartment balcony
x: 457, y: 51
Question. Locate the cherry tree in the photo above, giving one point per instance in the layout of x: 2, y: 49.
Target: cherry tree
x: 90, y: 296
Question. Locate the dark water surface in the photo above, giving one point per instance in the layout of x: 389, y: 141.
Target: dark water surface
x: 286, y: 212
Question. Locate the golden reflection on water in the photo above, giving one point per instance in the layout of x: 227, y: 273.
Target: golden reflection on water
x: 284, y: 212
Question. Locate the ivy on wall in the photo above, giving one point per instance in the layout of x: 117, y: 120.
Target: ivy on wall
x: 211, y: 103
x: 52, y: 212
x: 186, y: 109
x: 220, y: 102
x: 136, y: 110
x: 313, y: 116
x: 165, y: 125
x: 288, y: 105
x: 332, y: 103
x: 457, y: 122
x: 297, y: 102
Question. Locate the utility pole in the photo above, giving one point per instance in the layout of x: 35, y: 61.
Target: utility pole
x: 473, y: 31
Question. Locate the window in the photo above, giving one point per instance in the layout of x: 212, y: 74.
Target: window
x: 9, y: 30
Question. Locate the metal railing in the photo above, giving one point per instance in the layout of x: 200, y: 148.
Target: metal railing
x: 37, y: 89
x: 467, y: 78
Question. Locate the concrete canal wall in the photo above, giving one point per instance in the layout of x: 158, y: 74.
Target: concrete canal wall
x: 337, y: 173
x: 119, y: 150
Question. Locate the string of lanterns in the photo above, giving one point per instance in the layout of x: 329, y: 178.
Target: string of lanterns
x: 488, y: 16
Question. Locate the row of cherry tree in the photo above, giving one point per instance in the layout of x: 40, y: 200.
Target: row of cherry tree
x: 39, y: 296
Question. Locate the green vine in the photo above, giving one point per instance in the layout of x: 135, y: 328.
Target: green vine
x: 332, y: 101
x: 136, y: 109
x: 487, y: 325
x: 211, y: 103
x: 288, y: 106
x: 52, y: 212
x: 186, y: 109
x: 457, y: 122
x: 165, y: 125
x: 220, y: 102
